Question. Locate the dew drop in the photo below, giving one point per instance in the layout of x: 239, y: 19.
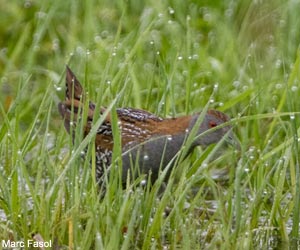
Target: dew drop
x: 294, y: 88
x: 171, y: 11
x: 179, y: 58
x: 58, y: 88
x: 55, y: 44
x: 146, y: 157
x: 79, y: 50
x: 236, y: 84
x: 245, y: 88
x: 97, y: 39
x: 27, y: 4
x: 278, y: 63
x: 41, y: 14
x: 104, y: 34
x: 207, y: 17
x: 195, y: 57
x: 229, y: 12
x: 98, y: 237
x: 292, y: 116
x: 204, y: 165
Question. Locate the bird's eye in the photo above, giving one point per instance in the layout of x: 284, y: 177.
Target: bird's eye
x: 212, y: 124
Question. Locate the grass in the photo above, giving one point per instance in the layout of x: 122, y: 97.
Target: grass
x: 171, y: 58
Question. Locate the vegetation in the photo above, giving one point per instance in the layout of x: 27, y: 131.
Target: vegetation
x: 171, y: 58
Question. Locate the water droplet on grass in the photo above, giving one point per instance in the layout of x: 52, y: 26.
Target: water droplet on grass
x: 97, y: 39
x: 236, y: 84
x: 171, y: 11
x: 58, y: 88
x: 27, y: 4
x: 195, y: 57
x: 278, y: 63
x: 294, y: 88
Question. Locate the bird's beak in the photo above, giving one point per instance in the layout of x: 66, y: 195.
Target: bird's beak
x: 232, y: 140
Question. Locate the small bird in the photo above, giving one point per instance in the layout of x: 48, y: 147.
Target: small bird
x: 149, y: 143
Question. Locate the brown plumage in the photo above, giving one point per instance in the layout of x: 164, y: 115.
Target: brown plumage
x: 148, y: 141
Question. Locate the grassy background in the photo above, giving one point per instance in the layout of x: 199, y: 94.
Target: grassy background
x: 171, y: 58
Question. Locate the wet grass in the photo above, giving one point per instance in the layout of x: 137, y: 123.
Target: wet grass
x: 170, y: 58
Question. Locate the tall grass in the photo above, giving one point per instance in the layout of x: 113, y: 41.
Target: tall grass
x: 170, y: 58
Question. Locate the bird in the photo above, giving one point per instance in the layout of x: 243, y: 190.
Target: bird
x: 149, y: 143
